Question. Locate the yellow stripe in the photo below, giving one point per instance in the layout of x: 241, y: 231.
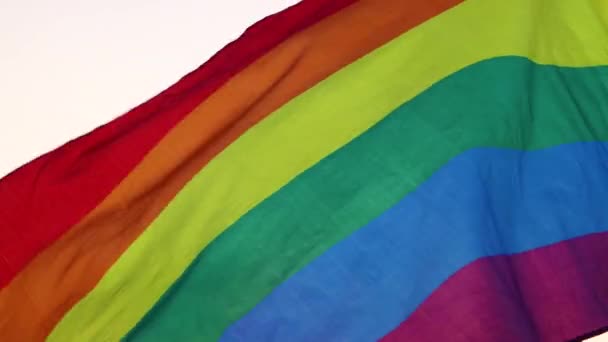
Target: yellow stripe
x: 313, y: 125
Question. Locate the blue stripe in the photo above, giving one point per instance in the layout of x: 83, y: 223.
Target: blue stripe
x: 484, y: 202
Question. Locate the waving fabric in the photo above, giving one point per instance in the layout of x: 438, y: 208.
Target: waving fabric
x: 345, y: 171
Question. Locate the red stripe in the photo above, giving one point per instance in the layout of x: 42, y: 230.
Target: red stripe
x: 554, y: 293
x: 43, y: 199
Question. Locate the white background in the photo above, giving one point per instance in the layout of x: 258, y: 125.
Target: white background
x: 68, y: 66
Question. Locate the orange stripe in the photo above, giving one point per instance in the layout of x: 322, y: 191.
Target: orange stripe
x: 67, y: 271
x: 45, y: 198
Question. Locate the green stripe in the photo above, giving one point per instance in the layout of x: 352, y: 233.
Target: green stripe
x: 503, y: 102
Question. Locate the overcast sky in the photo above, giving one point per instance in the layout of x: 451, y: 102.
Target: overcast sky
x: 68, y: 66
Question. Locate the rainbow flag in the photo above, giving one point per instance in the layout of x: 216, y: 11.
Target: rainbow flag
x: 345, y: 171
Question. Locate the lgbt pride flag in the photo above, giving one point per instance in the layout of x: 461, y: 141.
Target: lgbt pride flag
x: 422, y: 170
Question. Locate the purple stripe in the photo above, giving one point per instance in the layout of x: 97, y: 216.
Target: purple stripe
x: 554, y: 293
